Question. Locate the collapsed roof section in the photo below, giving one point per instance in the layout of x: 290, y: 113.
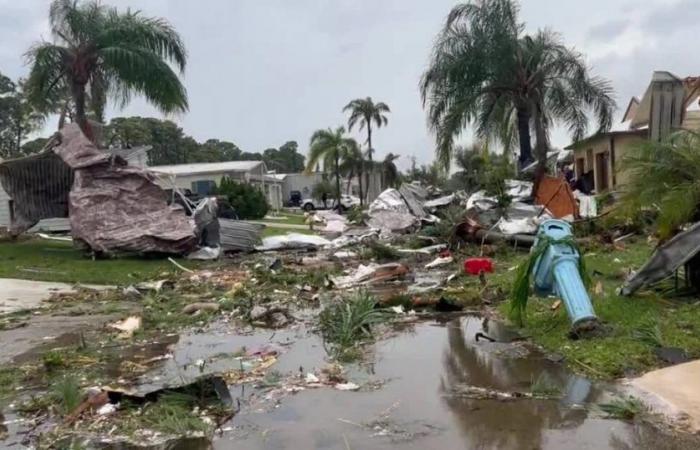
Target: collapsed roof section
x: 113, y: 207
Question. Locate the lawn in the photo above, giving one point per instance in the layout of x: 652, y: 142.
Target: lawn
x: 37, y: 259
x: 623, y: 350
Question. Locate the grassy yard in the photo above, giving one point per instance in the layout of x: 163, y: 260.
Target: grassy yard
x: 625, y: 349
x: 58, y: 261
x: 38, y: 259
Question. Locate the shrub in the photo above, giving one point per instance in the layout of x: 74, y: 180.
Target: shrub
x: 248, y: 201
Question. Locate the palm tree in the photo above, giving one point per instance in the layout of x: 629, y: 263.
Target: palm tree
x: 663, y: 176
x: 330, y: 146
x: 96, y: 48
x: 364, y: 111
x: 353, y: 165
x: 483, y: 72
x: 390, y: 173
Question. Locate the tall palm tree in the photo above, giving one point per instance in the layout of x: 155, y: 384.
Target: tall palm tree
x: 353, y: 165
x: 109, y: 53
x: 484, y: 72
x: 330, y: 146
x: 364, y: 112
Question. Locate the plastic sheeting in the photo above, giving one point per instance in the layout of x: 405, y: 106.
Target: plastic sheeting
x: 292, y: 241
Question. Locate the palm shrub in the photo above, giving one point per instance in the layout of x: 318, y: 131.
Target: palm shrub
x: 664, y: 176
x: 349, y: 322
x: 248, y: 201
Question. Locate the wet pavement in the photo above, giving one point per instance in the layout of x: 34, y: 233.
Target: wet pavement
x: 412, y: 394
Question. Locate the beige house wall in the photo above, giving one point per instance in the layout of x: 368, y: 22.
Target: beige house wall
x: 588, y: 153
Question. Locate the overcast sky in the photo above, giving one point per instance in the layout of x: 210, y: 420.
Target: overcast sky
x: 261, y: 72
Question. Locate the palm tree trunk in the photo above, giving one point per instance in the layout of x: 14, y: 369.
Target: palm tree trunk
x: 337, y: 180
x: 524, y: 137
x: 359, y: 182
x: 80, y: 116
x: 370, y: 150
x: 62, y: 116
x: 541, y: 149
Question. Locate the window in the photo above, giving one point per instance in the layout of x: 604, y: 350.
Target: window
x: 203, y: 187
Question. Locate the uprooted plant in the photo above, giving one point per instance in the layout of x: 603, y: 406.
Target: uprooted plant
x: 347, y: 324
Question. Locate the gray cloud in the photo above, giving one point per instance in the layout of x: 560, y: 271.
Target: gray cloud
x: 608, y: 30
x: 671, y: 18
x: 264, y: 72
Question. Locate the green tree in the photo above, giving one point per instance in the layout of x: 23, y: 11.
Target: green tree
x: 99, y: 49
x: 286, y: 159
x: 329, y: 146
x: 214, y: 150
x: 485, y: 72
x: 471, y: 163
x: 17, y: 118
x: 34, y: 146
x: 248, y: 201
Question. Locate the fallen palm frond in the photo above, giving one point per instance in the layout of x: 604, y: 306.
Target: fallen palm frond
x: 525, y: 271
x: 649, y: 333
x: 623, y: 409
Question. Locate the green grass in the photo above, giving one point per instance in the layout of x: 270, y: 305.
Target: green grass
x: 60, y: 262
x: 272, y: 231
x: 622, y: 351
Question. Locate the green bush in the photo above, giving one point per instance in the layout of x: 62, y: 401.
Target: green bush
x: 248, y: 201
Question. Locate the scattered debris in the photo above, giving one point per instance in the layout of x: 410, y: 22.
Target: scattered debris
x: 372, y: 273
x: 194, y: 308
x: 440, y: 261
x: 293, y: 241
x: 127, y: 326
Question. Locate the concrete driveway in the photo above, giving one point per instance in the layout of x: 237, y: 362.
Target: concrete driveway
x: 16, y: 295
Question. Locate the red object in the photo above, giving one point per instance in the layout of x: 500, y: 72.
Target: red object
x: 474, y: 266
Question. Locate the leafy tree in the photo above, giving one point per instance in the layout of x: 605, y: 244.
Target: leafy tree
x: 286, y: 159
x: 17, y: 118
x: 128, y: 132
x: 329, y: 146
x: 471, y: 163
x: 248, y: 201
x: 214, y: 150
x: 323, y: 187
x: 100, y: 50
x: 34, y: 146
x: 484, y: 72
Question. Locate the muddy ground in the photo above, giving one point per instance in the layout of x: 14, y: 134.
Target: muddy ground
x: 422, y: 378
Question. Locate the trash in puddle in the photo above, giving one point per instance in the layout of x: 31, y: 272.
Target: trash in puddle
x: 127, y: 326
x: 271, y: 315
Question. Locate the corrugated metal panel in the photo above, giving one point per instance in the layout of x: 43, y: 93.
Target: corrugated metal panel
x: 4, y: 209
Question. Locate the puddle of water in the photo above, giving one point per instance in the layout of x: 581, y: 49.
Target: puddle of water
x: 416, y: 408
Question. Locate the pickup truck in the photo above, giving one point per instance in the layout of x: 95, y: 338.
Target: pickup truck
x: 346, y: 202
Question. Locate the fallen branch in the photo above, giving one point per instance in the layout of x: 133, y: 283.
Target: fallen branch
x: 180, y: 266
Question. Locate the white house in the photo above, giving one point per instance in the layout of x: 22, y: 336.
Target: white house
x: 201, y: 178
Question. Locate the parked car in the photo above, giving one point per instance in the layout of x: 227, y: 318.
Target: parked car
x: 295, y: 198
x: 346, y: 202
